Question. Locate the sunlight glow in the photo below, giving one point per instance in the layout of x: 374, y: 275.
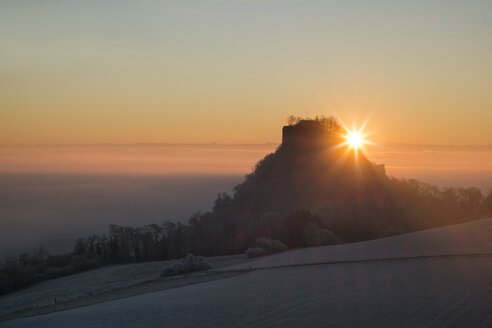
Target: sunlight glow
x: 355, y: 139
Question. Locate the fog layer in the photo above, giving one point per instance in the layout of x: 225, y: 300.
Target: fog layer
x: 54, y: 210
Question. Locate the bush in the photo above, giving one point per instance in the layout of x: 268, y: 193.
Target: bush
x: 189, y: 264
x: 263, y: 246
x: 315, y: 236
x: 270, y: 245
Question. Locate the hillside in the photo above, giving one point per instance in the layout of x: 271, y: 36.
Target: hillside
x: 467, y: 239
x: 314, y: 185
x: 312, y: 165
x: 419, y: 292
x: 99, y: 285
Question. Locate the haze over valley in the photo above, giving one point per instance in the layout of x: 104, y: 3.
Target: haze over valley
x: 52, y: 195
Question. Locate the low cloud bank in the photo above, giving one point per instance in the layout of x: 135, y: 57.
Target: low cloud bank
x: 147, y: 159
x: 445, y: 166
x: 54, y: 210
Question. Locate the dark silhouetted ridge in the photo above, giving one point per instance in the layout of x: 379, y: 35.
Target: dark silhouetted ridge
x: 309, y: 167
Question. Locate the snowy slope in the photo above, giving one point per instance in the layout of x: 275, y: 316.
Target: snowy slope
x: 91, y: 282
x: 425, y: 292
x: 468, y: 238
x: 79, y: 285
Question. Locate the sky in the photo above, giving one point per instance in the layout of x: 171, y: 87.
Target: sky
x: 86, y: 72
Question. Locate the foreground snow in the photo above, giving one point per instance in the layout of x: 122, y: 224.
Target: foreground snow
x: 90, y: 283
x: 421, y: 292
x: 417, y: 293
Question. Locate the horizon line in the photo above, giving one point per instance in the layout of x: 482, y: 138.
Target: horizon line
x: 466, y: 146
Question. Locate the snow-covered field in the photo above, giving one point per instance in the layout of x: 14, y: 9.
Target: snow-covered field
x: 414, y: 292
x: 468, y: 238
x: 90, y: 283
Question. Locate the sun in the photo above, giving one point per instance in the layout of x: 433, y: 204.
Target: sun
x: 355, y: 139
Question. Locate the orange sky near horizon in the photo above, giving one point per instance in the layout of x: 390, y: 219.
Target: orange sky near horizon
x: 231, y: 72
x: 444, y: 166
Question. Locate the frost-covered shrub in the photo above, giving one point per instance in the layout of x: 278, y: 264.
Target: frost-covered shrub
x: 171, y: 269
x: 270, y: 245
x: 188, y: 264
x: 254, y: 252
x: 264, y: 246
x: 315, y: 236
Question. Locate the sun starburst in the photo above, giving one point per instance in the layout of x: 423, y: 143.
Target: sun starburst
x: 355, y: 138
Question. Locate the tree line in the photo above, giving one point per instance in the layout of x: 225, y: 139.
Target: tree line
x: 212, y: 234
